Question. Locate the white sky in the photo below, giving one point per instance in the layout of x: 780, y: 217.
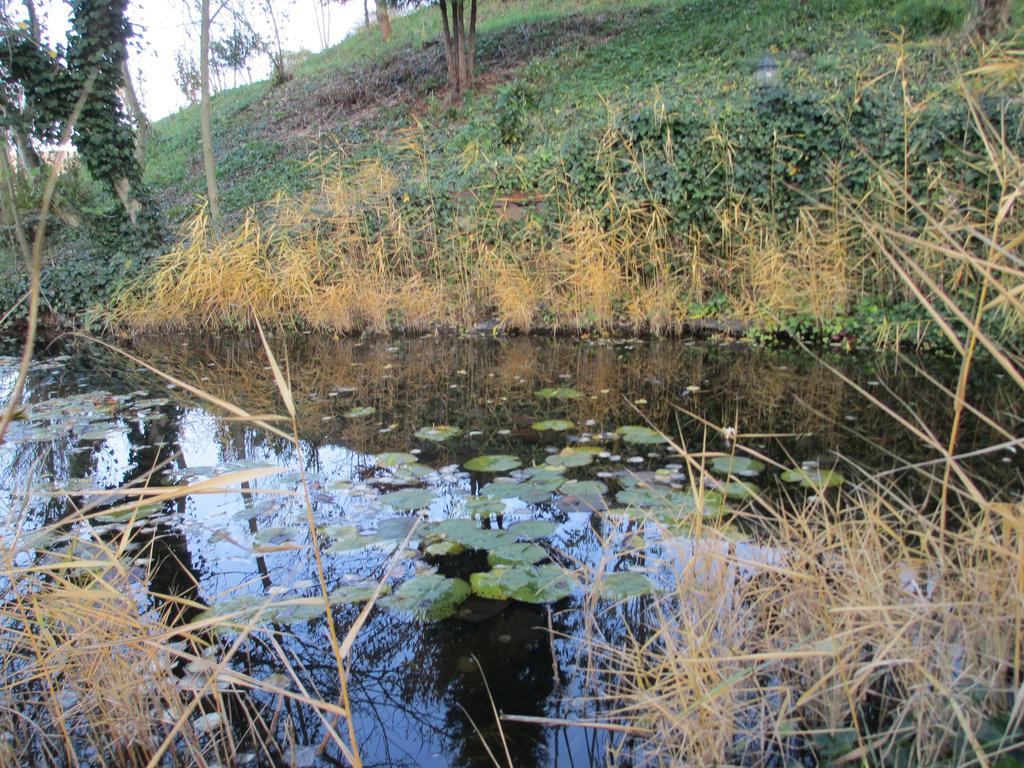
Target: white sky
x: 163, y: 27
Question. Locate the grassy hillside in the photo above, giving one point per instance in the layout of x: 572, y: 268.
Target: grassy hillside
x: 615, y: 169
x: 550, y: 65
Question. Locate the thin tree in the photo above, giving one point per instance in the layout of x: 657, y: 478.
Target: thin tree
x: 142, y: 124
x: 384, y: 20
x: 459, y: 43
x: 205, y: 119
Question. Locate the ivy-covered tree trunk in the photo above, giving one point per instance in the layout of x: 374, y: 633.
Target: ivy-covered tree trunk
x: 205, y: 120
x: 991, y: 17
x: 98, y: 42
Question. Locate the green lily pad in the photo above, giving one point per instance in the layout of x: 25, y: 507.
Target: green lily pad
x: 438, y: 434
x: 500, y: 582
x: 813, y: 478
x: 410, y: 473
x: 650, y: 497
x: 516, y: 554
x: 738, y: 490
x: 444, y: 549
x: 478, y: 507
x: 502, y: 488
x: 740, y: 466
x: 408, y: 499
x: 394, y: 459
x: 493, y: 463
x: 533, y: 529
x: 429, y: 596
x: 583, y: 488
x: 348, y: 539
x: 357, y: 593
x: 528, y: 584
x: 573, y: 457
x: 640, y: 435
x: 552, y: 425
x: 360, y: 412
x: 619, y: 586
x: 557, y: 393
x: 532, y: 491
x: 274, y: 536
x: 469, y: 535
x: 544, y: 472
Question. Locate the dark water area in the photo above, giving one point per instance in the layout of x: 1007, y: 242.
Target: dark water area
x: 98, y: 421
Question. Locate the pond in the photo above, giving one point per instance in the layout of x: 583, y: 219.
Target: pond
x: 507, y: 454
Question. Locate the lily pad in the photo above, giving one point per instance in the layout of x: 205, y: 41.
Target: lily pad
x: 438, y: 434
x: 640, y: 435
x: 813, y: 478
x: 469, y: 535
x: 409, y: 474
x: 533, y: 529
x: 532, y: 491
x: 502, y: 488
x: 740, y: 466
x: 516, y: 554
x: 275, y: 536
x: 619, y: 586
x: 738, y: 490
x: 360, y: 412
x: 583, y: 488
x: 358, y: 592
x: 347, y: 538
x: 500, y: 582
x: 394, y: 459
x: 646, y: 497
x: 573, y: 457
x: 552, y: 425
x: 482, y: 507
x: 429, y: 596
x: 493, y: 463
x: 408, y: 499
x: 528, y: 584
x: 444, y: 549
x: 544, y: 472
x: 558, y: 393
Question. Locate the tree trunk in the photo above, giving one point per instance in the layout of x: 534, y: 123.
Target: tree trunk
x: 449, y: 48
x: 280, y: 74
x: 142, y: 125
x: 33, y: 22
x: 384, y: 20
x: 366, y: 13
x: 27, y: 155
x: 205, y: 120
x: 459, y: 44
x: 991, y: 17
x: 471, y: 44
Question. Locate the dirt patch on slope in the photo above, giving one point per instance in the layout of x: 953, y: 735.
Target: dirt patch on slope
x: 409, y: 75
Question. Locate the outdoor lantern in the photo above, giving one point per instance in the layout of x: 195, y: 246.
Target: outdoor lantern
x: 766, y: 73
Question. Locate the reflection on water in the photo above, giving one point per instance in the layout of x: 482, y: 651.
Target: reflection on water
x: 417, y: 691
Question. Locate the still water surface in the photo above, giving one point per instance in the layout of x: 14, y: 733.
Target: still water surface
x: 99, y: 421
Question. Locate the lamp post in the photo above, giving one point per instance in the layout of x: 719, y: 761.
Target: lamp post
x: 766, y: 73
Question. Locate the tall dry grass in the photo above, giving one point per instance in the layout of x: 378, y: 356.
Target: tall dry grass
x: 866, y: 625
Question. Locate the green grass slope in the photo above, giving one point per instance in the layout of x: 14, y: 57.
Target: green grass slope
x: 545, y: 69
